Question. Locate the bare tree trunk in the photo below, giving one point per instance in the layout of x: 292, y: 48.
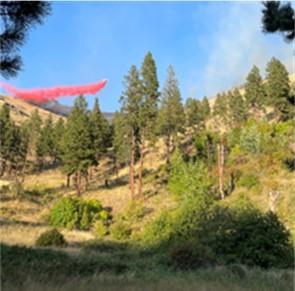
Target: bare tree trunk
x: 272, y: 200
x: 131, y: 167
x: 78, y: 183
x: 141, y: 165
x: 220, y: 161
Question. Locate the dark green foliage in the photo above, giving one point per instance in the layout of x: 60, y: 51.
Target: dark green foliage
x: 278, y: 17
x: 13, y: 145
x: 75, y: 213
x: 99, y: 128
x: 151, y: 95
x: 58, y: 132
x: 237, y: 108
x: 278, y: 88
x: 45, y: 141
x: 194, y: 112
x: 17, y: 18
x: 51, y: 238
x: 171, y: 117
x: 245, y: 236
x: 254, y: 89
x: 78, y: 152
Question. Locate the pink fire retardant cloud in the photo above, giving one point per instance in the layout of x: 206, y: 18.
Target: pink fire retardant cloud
x: 48, y: 94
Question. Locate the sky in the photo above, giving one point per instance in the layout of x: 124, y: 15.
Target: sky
x: 211, y: 45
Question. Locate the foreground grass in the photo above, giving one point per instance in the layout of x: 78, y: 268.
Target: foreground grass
x: 111, y: 266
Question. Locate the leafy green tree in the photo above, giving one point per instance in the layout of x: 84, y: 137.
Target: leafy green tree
x: 188, y: 180
x: 78, y: 152
x: 278, y: 87
x: 171, y: 114
x: 254, y: 89
x: 237, y: 108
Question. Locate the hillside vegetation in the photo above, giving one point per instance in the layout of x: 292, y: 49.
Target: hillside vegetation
x: 168, y: 195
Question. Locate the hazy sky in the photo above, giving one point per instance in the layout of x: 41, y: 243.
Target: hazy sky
x: 212, y: 45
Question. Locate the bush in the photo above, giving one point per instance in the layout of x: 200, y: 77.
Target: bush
x: 74, y: 213
x: 134, y: 212
x: 100, y: 229
x: 120, y: 230
x: 51, y: 238
x: 246, y: 236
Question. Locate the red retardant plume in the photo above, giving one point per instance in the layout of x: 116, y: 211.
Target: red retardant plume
x: 48, y: 94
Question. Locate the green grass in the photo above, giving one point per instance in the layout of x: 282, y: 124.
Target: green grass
x: 115, y: 266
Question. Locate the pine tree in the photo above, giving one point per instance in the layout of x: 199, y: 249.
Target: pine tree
x: 206, y: 107
x: 220, y: 109
x: 45, y: 142
x: 99, y: 131
x: 13, y: 146
x: 58, y: 132
x: 132, y: 104
x: 120, y: 141
x: 254, y: 89
x: 278, y: 88
x: 78, y: 153
x: 5, y: 127
x: 33, y: 128
x: 149, y: 109
x: 195, y: 115
x: 171, y: 114
x: 237, y: 108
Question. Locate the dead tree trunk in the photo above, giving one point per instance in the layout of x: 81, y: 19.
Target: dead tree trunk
x: 220, y: 162
x: 168, y: 150
x: 68, y: 180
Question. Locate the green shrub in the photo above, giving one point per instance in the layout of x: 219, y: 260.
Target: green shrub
x: 249, y: 181
x: 120, y: 230
x: 51, y: 238
x: 134, y: 212
x: 74, y: 213
x: 100, y: 229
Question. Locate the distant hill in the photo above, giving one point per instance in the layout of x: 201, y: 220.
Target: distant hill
x: 21, y: 110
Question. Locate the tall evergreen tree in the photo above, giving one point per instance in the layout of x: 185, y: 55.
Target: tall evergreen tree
x: 237, y: 108
x: 149, y: 109
x: 58, y: 132
x: 194, y: 112
x: 220, y: 109
x: 45, y: 142
x: 33, y: 128
x: 278, y: 87
x: 171, y: 114
x: 206, y: 107
x: 254, y: 89
x: 132, y: 104
x: 78, y: 153
x: 99, y: 131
